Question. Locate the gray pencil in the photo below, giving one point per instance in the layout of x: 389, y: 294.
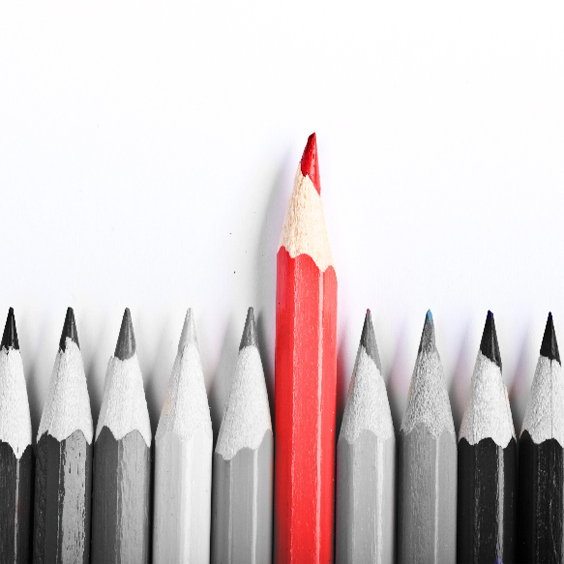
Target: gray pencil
x: 63, y: 474
x: 243, y: 459
x: 427, y: 463
x: 366, y: 452
x: 122, y: 461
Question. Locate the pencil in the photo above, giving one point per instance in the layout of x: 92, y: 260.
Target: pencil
x: 242, y: 482
x: 122, y: 460
x: 487, y: 463
x: 541, y: 474
x: 63, y: 474
x: 427, y: 463
x: 183, y: 461
x: 366, y: 453
x: 305, y: 375
x: 16, y: 453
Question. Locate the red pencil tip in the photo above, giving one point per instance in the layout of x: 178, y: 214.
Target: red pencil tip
x: 309, y: 164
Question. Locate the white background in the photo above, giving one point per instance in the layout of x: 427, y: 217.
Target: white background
x: 147, y: 154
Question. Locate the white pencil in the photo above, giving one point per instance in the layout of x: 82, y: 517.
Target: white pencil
x: 183, y: 461
x: 242, y: 486
x: 366, y: 454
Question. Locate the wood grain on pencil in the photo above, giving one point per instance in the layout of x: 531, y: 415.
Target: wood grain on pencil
x: 366, y: 463
x: 122, y: 461
x: 63, y: 474
x: 306, y: 366
x: 427, y: 463
x: 242, y: 482
x: 16, y: 453
x: 183, y: 461
x: 541, y: 461
x: 487, y: 463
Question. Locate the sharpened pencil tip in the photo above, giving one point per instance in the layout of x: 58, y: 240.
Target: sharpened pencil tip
x: 10, y: 337
x: 69, y: 331
x: 250, y: 332
x: 427, y: 342
x: 368, y: 340
x: 549, y: 347
x: 309, y: 163
x: 188, y: 331
x: 125, y: 347
x: 489, y: 345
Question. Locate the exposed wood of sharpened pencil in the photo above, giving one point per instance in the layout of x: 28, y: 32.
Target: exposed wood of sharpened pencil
x: 541, y: 471
x: 63, y: 476
x: 487, y: 463
x: 16, y: 453
x: 366, y: 453
x: 122, y: 461
x: 243, y: 464
x: 306, y: 375
x: 427, y: 463
x: 183, y: 461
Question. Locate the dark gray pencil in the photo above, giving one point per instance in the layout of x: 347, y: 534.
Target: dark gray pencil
x: 64, y: 460
x: 427, y: 463
x: 242, y: 464
x: 16, y: 453
x: 122, y: 461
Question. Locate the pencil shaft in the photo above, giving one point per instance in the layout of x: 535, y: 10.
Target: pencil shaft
x: 541, y: 501
x: 427, y: 497
x: 305, y: 409
x: 121, y: 496
x: 16, y: 482
x: 487, y: 478
x: 62, y: 500
x: 183, y: 480
x: 242, y: 515
x: 366, y: 500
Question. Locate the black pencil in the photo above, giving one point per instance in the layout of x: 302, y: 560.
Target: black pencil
x: 541, y: 475
x: 16, y: 453
x: 63, y: 474
x: 487, y: 463
x: 122, y: 461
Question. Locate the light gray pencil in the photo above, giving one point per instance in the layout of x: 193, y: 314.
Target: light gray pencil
x: 183, y: 461
x: 366, y: 453
x: 427, y: 463
x: 122, y: 461
x: 243, y: 459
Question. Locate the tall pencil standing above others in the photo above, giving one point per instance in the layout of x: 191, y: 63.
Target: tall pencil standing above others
x: 366, y: 454
x: 16, y: 453
x: 541, y: 461
x: 306, y: 375
x: 122, y: 461
x: 63, y: 475
x: 183, y: 461
x: 487, y: 463
x: 242, y: 484
x: 427, y: 463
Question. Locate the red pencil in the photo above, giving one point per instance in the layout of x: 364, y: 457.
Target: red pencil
x: 306, y: 371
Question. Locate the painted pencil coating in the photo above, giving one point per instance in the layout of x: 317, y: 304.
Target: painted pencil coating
x: 306, y: 367
x: 487, y: 463
x: 64, y: 460
x: 366, y: 453
x: 427, y: 463
x: 541, y: 461
x: 243, y: 461
x: 16, y: 453
x: 122, y: 461
x: 183, y: 461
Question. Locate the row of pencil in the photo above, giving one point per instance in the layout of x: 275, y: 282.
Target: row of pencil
x: 92, y: 500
